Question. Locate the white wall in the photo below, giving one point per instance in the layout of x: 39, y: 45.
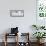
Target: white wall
x: 24, y: 23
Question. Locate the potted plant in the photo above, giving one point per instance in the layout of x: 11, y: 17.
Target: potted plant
x: 38, y: 27
x: 35, y: 26
x: 42, y: 27
x: 39, y: 35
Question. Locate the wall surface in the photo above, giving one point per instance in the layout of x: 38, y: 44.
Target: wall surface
x: 24, y: 23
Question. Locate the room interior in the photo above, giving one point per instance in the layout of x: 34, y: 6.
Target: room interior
x: 22, y: 22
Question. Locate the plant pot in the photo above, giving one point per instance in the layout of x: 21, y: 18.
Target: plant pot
x: 40, y: 41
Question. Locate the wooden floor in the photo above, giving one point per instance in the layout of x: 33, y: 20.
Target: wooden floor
x: 13, y: 44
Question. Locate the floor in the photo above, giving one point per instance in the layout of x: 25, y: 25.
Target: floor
x: 13, y: 44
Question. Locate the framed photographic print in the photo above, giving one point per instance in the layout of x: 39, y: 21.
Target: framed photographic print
x: 17, y: 13
x: 41, y: 8
x: 41, y: 12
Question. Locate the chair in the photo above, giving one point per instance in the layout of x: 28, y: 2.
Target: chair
x: 7, y: 35
x: 25, y: 43
x: 14, y: 32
